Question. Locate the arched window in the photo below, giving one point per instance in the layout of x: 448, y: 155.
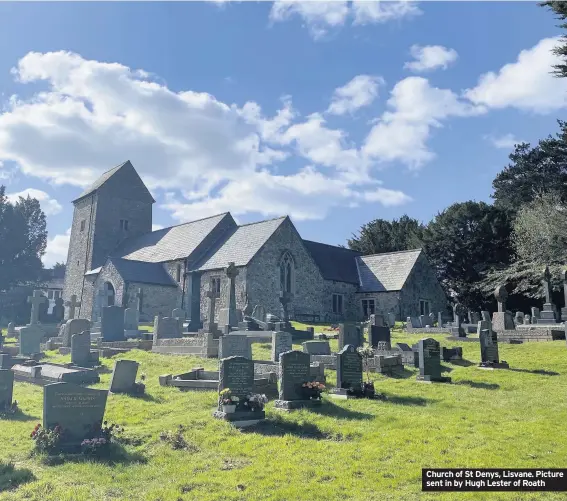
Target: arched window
x: 287, y: 269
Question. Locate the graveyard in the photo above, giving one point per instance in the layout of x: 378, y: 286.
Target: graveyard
x: 341, y: 449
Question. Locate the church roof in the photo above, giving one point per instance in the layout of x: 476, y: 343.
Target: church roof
x: 240, y: 245
x: 169, y: 244
x: 142, y: 272
x: 335, y: 263
x: 385, y: 272
x: 105, y: 177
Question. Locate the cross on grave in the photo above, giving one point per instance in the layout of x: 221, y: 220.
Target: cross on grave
x: 36, y: 299
x: 547, y: 284
x: 139, y: 298
x: 72, y: 304
x: 212, y: 295
x: 285, y: 299
x: 501, y: 294
x: 232, y: 272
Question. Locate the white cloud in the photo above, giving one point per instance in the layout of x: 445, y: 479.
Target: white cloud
x: 56, y: 250
x: 361, y: 91
x: 156, y: 227
x: 321, y: 16
x: 415, y: 108
x: 95, y: 115
x: 507, y: 141
x: 49, y: 205
x: 526, y: 84
x: 430, y: 57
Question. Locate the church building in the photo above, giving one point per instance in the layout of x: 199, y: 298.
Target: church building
x: 115, y: 258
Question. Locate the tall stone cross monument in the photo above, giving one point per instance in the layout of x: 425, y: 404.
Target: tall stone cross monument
x: 285, y: 299
x: 212, y: 295
x: 501, y: 319
x: 35, y: 299
x: 548, y: 315
x: 232, y: 272
x: 72, y: 304
x: 564, y: 309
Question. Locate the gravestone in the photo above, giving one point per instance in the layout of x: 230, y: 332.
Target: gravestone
x: 564, y: 309
x: 431, y: 318
x: 475, y: 317
x: 77, y: 410
x: 30, y: 340
x: 294, y: 370
x: 423, y: 320
x: 409, y: 355
x: 527, y: 320
x: 413, y: 323
x: 235, y: 345
x: 535, y: 315
x: 489, y: 351
x: 502, y: 320
x: 458, y: 315
x: 237, y: 374
x: 229, y: 316
x: 349, y: 334
x: 71, y: 305
x: 166, y: 328
x: 112, y: 323
x: 210, y: 325
x: 281, y: 342
x: 259, y: 313
x: 378, y: 334
x: 452, y: 353
x: 391, y: 319
x: 58, y: 312
x: 124, y: 376
x: 430, y: 362
x: 349, y: 372
x: 549, y: 314
x: 178, y: 313
x: 285, y: 299
x: 316, y: 347
x: 130, y: 319
x: 377, y: 319
x: 519, y: 318
x: 81, y: 349
x: 36, y: 299
x: 440, y: 319
x: 72, y: 327
x: 7, y: 388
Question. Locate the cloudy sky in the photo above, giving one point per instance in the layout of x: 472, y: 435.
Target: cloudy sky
x: 334, y: 113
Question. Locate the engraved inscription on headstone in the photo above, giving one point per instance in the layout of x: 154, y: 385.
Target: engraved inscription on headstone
x: 349, y: 368
x: 294, y: 371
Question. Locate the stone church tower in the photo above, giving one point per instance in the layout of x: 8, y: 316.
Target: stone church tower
x: 117, y: 206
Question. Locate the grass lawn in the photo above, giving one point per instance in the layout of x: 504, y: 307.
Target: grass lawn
x: 355, y: 450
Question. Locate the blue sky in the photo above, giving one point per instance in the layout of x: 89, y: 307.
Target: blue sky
x: 334, y: 113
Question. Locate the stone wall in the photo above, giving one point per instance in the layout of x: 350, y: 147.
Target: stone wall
x: 421, y: 283
x: 264, y: 275
x: 350, y: 307
x: 222, y: 302
x: 384, y: 303
x: 108, y: 274
x: 155, y: 299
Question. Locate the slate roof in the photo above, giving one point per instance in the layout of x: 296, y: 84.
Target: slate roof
x: 335, y: 263
x: 169, y: 244
x: 103, y: 179
x: 240, y: 245
x: 385, y: 272
x: 143, y: 272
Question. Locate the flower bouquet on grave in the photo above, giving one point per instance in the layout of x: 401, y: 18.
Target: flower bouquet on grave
x: 354, y: 391
x: 101, y: 438
x: 228, y: 401
x: 368, y: 389
x: 47, y: 440
x: 255, y: 402
x: 139, y: 387
x: 312, y: 390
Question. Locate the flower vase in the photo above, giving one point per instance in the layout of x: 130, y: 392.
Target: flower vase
x: 229, y: 409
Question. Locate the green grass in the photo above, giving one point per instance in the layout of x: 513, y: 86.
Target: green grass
x: 355, y: 450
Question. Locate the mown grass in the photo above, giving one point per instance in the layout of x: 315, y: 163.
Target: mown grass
x: 356, y: 449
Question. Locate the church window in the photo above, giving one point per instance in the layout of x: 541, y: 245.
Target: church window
x: 83, y: 225
x: 287, y: 269
x: 178, y: 273
x: 368, y: 307
x: 338, y: 304
x: 424, y: 308
x: 215, y: 284
x: 124, y: 224
x: 49, y: 294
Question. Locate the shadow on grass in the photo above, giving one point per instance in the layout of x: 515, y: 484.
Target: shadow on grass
x: 401, y: 400
x: 278, y: 427
x: 103, y: 369
x: 18, y: 416
x: 12, y: 477
x: 444, y: 368
x: 539, y: 372
x: 462, y: 363
x: 482, y: 386
x: 330, y: 409
x: 402, y: 374
x: 118, y: 456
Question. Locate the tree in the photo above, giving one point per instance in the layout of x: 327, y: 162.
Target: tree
x: 23, y: 238
x: 539, y: 240
x: 380, y: 236
x: 59, y: 270
x: 465, y: 241
x: 533, y: 171
x: 560, y: 9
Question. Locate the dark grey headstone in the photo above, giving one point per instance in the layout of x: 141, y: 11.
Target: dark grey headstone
x: 452, y: 353
x: 349, y: 333
x: 131, y: 318
x: 378, y: 334
x: 349, y: 368
x: 7, y: 387
x: 81, y: 349
x: 237, y: 373
x: 30, y: 339
x: 123, y: 376
x: 235, y: 345
x: 294, y: 371
x: 76, y: 409
x: 316, y: 347
x: 377, y: 319
x: 281, y: 342
x: 112, y: 323
x: 429, y: 359
x: 72, y: 327
x: 489, y: 346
